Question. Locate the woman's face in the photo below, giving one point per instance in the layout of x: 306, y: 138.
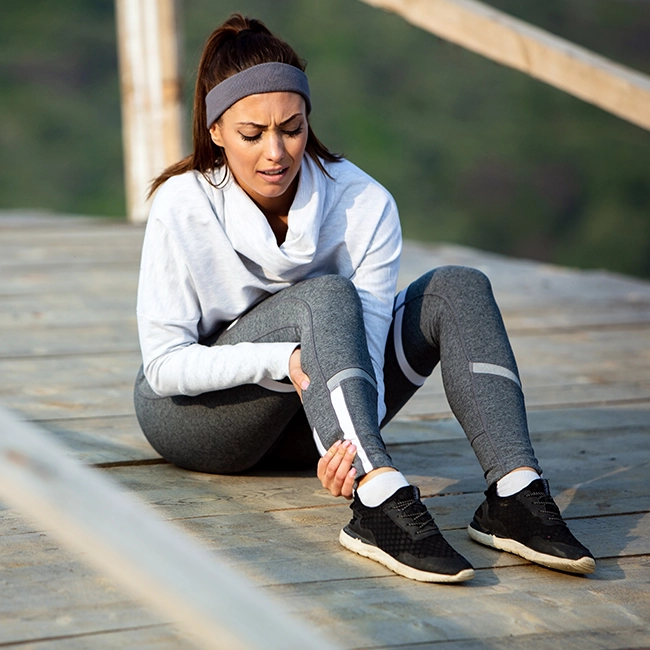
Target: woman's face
x: 264, y: 138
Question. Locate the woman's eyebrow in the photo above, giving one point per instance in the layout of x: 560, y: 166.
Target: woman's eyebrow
x: 264, y: 126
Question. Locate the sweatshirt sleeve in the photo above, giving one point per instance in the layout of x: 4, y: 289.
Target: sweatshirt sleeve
x: 168, y: 311
x: 376, y: 280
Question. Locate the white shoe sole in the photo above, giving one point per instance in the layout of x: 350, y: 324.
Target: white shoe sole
x: 372, y: 552
x: 583, y: 565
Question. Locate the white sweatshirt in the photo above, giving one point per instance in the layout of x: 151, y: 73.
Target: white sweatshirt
x: 209, y: 255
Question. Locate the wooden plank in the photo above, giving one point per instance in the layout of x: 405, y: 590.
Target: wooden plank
x: 430, y: 400
x: 539, y: 422
x: 159, y: 637
x: 392, y: 612
x: 48, y: 592
x: 123, y: 539
x: 304, y: 549
x: 71, y: 247
x: 95, y: 279
x: 67, y: 309
x: 602, y: 638
x: 112, y: 334
x: 103, y: 440
x: 544, y: 56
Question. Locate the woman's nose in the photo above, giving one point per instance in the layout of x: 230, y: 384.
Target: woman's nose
x: 274, y: 147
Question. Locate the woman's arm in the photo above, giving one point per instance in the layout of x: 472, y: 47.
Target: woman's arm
x: 175, y: 363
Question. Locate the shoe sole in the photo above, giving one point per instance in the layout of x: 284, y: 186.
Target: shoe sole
x: 583, y: 565
x: 356, y: 545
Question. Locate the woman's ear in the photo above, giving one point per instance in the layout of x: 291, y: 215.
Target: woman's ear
x: 215, y: 134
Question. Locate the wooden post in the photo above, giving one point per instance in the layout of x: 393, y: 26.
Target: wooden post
x: 218, y: 608
x: 515, y: 43
x: 151, y: 96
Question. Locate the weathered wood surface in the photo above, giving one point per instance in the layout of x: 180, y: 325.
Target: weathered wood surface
x: 582, y: 340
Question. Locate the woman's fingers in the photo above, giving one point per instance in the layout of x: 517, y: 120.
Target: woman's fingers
x: 298, y: 378
x: 335, y: 469
x: 348, y: 484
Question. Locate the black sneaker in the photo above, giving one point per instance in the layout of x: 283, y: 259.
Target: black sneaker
x: 401, y: 534
x: 529, y: 524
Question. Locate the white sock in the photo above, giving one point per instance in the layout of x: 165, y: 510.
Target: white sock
x: 514, y: 481
x: 375, y: 491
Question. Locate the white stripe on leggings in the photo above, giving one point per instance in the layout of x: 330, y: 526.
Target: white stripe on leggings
x: 404, y: 365
x: 319, y: 445
x: 492, y: 369
x: 345, y: 422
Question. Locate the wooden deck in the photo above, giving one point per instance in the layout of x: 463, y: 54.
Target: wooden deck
x: 68, y: 356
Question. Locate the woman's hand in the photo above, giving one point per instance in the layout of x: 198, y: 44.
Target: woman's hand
x: 298, y: 378
x: 335, y: 469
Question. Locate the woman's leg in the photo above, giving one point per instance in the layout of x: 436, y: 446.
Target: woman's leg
x: 231, y: 430
x: 450, y: 315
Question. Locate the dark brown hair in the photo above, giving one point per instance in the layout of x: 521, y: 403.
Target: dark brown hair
x: 238, y: 44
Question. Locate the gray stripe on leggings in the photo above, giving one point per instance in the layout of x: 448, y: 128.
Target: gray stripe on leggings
x: 347, y: 374
x: 491, y: 369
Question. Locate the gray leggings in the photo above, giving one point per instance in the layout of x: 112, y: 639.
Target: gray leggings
x: 448, y: 315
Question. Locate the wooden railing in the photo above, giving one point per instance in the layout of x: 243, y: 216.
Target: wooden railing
x: 216, y: 606
x: 515, y: 43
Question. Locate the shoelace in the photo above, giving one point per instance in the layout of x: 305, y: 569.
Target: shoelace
x: 546, y: 500
x: 427, y: 525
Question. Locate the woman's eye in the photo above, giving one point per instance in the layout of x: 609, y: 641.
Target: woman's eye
x: 250, y: 138
x: 295, y: 132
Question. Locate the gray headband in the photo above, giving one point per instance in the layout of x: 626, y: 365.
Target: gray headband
x: 262, y: 78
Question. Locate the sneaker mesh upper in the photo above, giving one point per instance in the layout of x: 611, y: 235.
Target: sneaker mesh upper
x: 530, y: 517
x: 401, y: 525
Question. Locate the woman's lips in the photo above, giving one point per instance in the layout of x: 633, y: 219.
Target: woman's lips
x: 273, y: 174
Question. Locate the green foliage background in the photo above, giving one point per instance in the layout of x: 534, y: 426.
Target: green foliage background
x: 473, y: 152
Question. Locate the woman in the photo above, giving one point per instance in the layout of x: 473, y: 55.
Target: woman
x: 271, y: 334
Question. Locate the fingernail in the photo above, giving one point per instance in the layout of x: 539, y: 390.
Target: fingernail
x: 352, y: 449
x: 337, y: 443
x: 352, y: 472
x: 304, y: 384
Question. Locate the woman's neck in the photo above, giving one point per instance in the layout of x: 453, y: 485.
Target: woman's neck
x: 276, y: 210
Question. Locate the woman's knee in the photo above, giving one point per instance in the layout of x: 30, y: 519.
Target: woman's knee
x: 331, y: 293
x: 332, y: 287
x: 450, y: 280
